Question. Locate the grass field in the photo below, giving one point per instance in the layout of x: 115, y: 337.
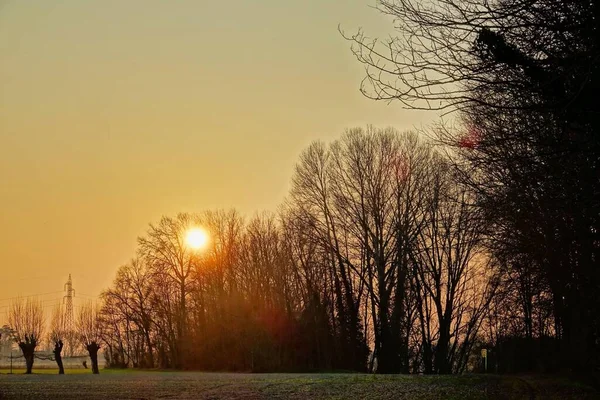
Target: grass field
x: 111, y: 384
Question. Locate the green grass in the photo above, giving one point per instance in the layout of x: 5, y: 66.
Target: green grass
x: 49, y: 371
x: 135, y: 384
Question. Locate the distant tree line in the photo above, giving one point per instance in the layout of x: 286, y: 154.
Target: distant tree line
x: 376, y: 257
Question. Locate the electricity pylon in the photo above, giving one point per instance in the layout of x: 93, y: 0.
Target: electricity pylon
x: 68, y: 301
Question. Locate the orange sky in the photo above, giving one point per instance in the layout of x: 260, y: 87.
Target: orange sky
x: 113, y: 113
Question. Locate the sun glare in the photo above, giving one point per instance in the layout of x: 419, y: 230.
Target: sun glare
x: 196, y: 238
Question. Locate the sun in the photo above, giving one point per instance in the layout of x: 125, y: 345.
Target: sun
x: 196, y: 238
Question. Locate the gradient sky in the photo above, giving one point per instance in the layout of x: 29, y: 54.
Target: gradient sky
x: 113, y: 113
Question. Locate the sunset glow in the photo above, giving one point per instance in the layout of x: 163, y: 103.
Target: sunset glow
x: 131, y: 118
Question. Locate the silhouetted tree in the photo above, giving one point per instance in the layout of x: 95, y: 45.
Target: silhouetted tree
x: 57, y: 334
x: 377, y: 246
x: 128, y: 311
x: 450, y: 274
x: 165, y: 251
x: 522, y: 77
x: 26, y: 319
x: 375, y: 199
x: 89, y: 330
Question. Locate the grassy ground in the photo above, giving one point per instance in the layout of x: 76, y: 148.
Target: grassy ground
x: 45, y: 371
x: 111, y: 384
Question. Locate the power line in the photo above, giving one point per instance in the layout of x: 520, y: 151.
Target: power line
x: 89, y: 295
x: 26, y: 297
x: 41, y: 301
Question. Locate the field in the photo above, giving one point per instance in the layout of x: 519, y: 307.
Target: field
x: 80, y: 384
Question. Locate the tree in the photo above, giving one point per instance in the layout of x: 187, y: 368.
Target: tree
x: 114, y: 324
x: 521, y: 78
x: 89, y: 330
x: 26, y: 318
x: 401, y: 238
x: 377, y: 245
x: 313, y: 200
x: 57, y: 334
x: 129, y: 304
x: 165, y: 251
x: 450, y: 274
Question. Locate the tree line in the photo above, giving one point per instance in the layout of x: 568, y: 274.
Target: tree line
x: 375, y: 260
x: 414, y: 259
x: 519, y: 79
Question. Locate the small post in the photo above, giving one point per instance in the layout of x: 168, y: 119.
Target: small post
x: 11, y: 362
x: 484, y: 355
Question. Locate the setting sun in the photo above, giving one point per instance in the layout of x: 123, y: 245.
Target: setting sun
x: 196, y: 238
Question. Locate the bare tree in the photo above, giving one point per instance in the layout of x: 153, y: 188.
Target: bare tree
x: 520, y: 76
x: 26, y: 318
x: 89, y: 329
x: 451, y: 278
x: 313, y: 201
x: 128, y: 304
x: 165, y: 251
x: 399, y: 229
x: 56, y: 335
x: 114, y: 326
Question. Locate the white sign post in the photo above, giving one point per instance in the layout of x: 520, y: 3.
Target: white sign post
x: 484, y: 355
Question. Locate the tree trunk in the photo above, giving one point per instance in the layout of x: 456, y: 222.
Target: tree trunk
x: 399, y: 315
x: 388, y: 355
x: 58, y: 346
x: 28, y: 349
x: 92, y: 349
x: 427, y: 357
x: 182, y: 334
x: 441, y: 350
x: 150, y: 350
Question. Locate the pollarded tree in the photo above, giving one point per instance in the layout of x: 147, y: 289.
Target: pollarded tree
x: 89, y: 329
x: 26, y: 318
x: 56, y: 335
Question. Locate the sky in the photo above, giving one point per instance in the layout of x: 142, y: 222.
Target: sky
x: 114, y: 113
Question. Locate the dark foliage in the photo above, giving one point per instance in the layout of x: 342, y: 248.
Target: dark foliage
x: 522, y: 76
